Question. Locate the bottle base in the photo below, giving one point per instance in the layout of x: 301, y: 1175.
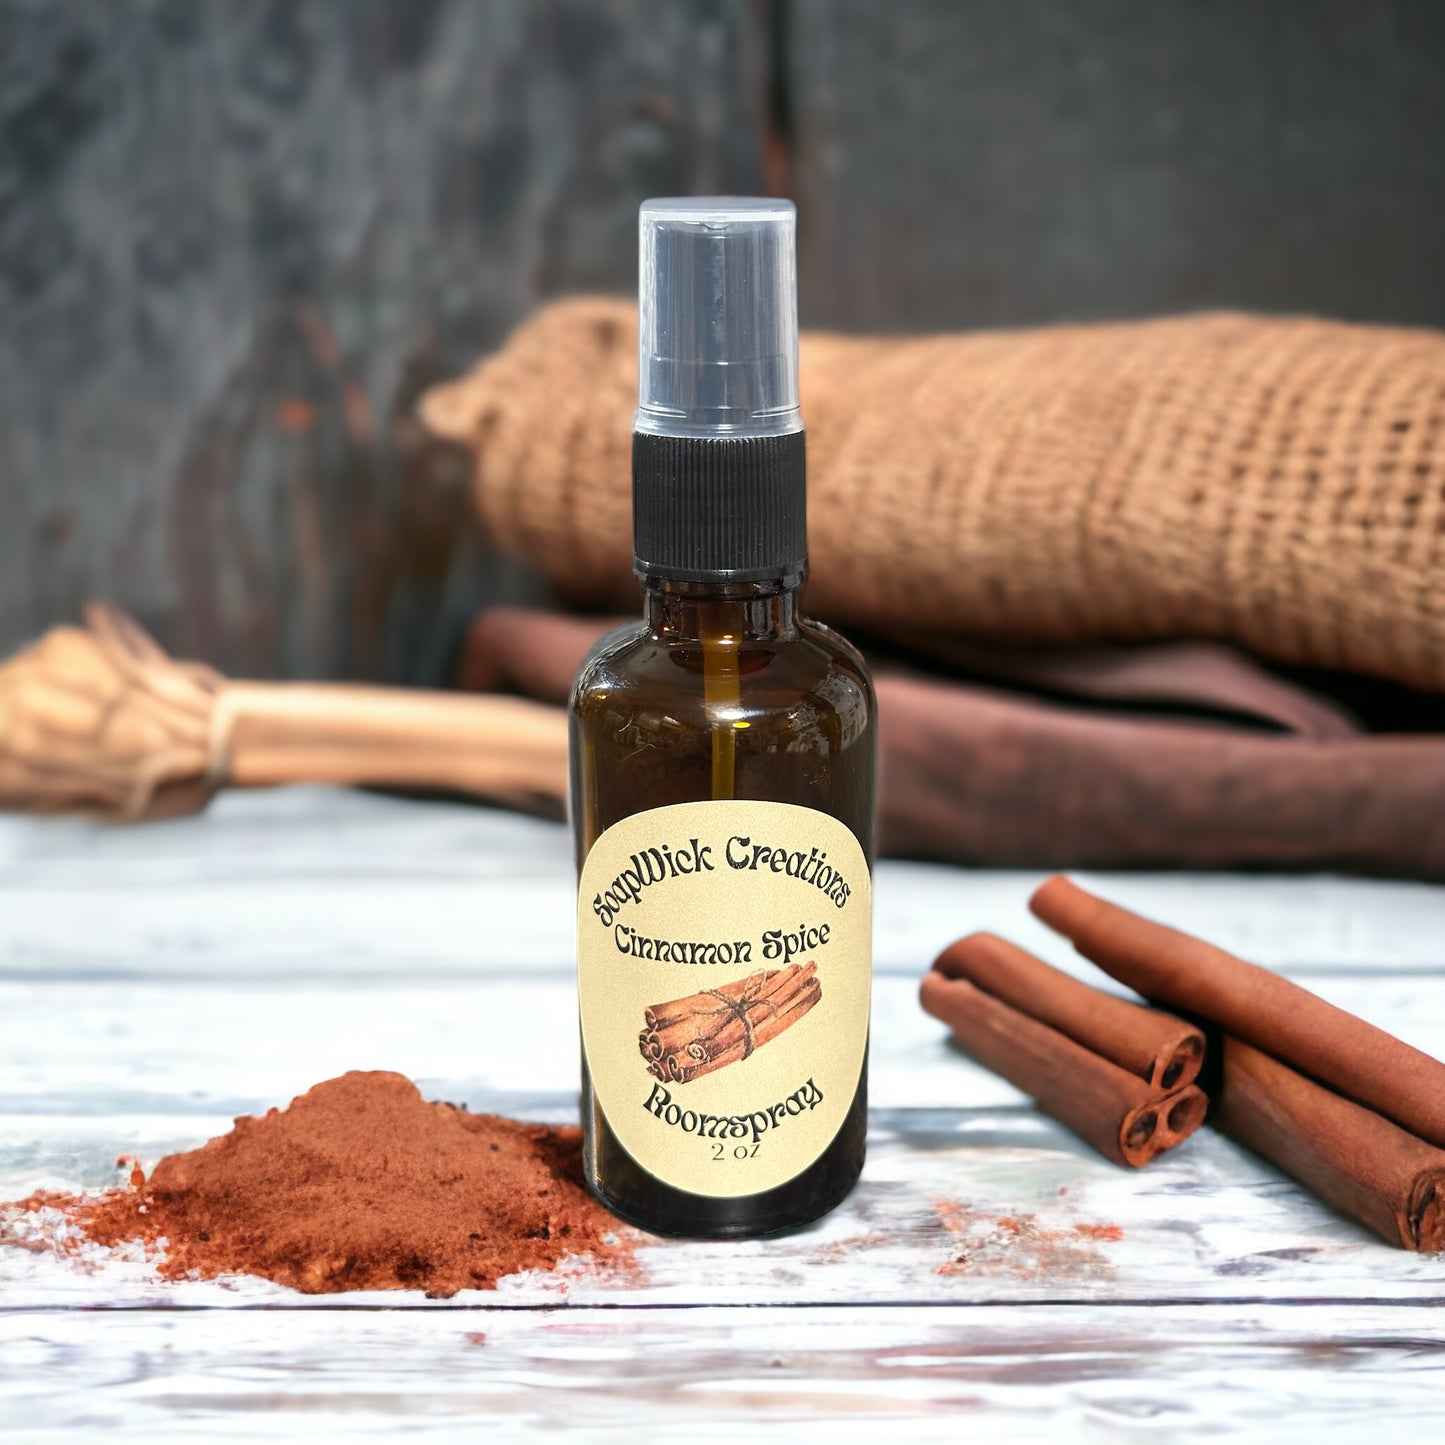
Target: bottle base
x: 668, y: 1223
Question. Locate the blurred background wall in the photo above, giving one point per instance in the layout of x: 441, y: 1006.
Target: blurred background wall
x: 238, y: 237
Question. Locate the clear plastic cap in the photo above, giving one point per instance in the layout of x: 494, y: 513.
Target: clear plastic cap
x: 718, y: 294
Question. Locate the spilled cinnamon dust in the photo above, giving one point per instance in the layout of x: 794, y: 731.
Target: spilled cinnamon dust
x: 1023, y: 1245
x: 359, y: 1184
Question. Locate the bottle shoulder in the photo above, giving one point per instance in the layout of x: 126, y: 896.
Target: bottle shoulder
x: 811, y: 664
x: 607, y: 660
x: 790, y: 719
x: 849, y: 658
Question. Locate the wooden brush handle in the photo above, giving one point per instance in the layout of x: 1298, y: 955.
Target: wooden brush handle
x: 507, y: 749
x: 100, y: 720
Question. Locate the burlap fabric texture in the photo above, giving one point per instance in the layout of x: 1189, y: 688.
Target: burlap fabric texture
x: 1276, y: 483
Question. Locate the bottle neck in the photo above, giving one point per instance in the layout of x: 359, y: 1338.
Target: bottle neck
x: 689, y: 611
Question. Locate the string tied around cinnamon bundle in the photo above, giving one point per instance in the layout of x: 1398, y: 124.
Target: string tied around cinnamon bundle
x: 738, y: 1008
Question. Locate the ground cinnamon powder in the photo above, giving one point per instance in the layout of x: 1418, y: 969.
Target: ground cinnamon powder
x: 362, y: 1184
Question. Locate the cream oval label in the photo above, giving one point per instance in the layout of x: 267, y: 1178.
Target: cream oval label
x: 724, y: 961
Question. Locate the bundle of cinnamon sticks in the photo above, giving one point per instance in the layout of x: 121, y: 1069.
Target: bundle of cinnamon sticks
x: 688, y: 1037
x: 1120, y: 1075
x: 1353, y: 1113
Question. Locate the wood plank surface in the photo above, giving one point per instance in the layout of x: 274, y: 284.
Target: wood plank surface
x: 354, y: 882
x: 989, y: 1269
x: 1269, y: 1373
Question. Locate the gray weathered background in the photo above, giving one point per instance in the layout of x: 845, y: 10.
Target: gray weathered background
x: 238, y: 236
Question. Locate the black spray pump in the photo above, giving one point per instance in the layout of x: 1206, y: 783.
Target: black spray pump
x: 719, y: 472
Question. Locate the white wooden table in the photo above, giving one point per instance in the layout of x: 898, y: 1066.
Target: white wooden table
x: 989, y: 1279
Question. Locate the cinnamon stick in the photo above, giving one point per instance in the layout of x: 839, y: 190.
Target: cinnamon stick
x: 1162, y: 1050
x: 1169, y: 967
x: 1105, y: 1105
x: 1352, y: 1158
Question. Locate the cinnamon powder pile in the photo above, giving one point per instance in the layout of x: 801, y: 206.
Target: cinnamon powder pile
x: 361, y: 1184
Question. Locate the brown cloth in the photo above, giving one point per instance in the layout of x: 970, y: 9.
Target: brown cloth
x: 982, y: 775
x: 1275, y: 483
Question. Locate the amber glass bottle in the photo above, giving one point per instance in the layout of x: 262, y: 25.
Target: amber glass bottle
x: 722, y: 779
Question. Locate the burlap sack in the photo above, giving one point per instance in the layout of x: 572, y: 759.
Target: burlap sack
x: 1276, y: 483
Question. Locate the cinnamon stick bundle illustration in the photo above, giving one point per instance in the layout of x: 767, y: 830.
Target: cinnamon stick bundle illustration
x: 686, y: 1038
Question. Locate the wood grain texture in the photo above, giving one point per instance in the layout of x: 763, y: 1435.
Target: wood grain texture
x: 1253, y: 1372
x: 957, y: 1206
x: 156, y: 981
x: 1004, y: 162
x: 235, y: 243
x: 352, y: 882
